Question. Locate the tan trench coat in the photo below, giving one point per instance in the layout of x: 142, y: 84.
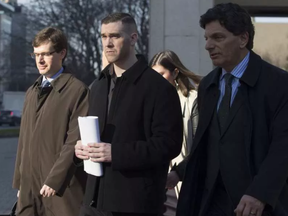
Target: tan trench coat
x: 48, y: 133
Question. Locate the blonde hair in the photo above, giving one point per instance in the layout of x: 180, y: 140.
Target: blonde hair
x: 169, y: 60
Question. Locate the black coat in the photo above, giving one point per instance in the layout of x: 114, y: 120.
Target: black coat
x: 145, y: 129
x: 265, y: 91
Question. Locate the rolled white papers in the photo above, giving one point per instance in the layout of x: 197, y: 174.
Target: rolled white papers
x: 89, y: 132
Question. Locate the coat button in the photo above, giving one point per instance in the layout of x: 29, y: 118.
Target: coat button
x: 92, y: 203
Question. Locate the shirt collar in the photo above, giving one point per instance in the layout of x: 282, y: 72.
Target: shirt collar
x: 239, y: 70
x: 54, y: 76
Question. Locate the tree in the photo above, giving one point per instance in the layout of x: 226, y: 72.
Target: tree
x: 80, y: 20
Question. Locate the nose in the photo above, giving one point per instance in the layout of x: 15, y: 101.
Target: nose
x: 209, y: 45
x: 109, y: 42
x: 40, y: 59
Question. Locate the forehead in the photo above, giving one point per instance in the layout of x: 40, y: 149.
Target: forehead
x: 160, y: 68
x: 114, y: 27
x: 215, y: 27
x: 44, y: 47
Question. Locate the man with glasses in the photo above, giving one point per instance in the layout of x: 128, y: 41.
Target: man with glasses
x: 47, y: 180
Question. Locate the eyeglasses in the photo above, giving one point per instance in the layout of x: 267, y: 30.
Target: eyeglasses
x: 44, y: 54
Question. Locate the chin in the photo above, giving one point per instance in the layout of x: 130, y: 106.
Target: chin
x: 112, y: 60
x: 44, y: 72
x: 217, y: 63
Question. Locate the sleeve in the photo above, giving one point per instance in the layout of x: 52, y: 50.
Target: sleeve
x: 181, y: 167
x: 273, y: 173
x: 194, y: 117
x: 165, y: 141
x: 17, y: 175
x: 64, y: 167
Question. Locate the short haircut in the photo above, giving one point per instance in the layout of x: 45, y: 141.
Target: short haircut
x: 53, y: 35
x: 233, y: 17
x: 125, y: 18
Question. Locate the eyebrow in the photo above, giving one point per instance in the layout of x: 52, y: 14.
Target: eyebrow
x: 215, y: 34
x: 43, y: 52
x: 111, y: 34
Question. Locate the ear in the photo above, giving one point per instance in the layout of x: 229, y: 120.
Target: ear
x: 63, y: 53
x: 175, y: 73
x: 133, y: 38
x: 244, y: 38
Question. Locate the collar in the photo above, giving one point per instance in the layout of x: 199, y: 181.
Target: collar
x: 131, y: 73
x: 54, y: 76
x: 239, y: 70
x: 253, y: 70
x: 250, y: 75
x: 58, y: 83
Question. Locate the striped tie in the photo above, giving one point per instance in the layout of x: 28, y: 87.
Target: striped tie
x: 46, y: 83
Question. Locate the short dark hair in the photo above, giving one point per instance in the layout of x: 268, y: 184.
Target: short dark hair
x: 233, y: 17
x: 53, y: 35
x: 125, y: 18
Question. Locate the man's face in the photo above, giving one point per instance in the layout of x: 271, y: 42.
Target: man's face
x: 224, y: 48
x: 116, y: 42
x: 47, y: 60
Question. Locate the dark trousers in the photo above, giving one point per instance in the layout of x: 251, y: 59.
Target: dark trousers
x: 220, y: 204
x: 91, y: 211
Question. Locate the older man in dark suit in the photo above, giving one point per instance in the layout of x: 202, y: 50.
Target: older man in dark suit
x: 239, y: 163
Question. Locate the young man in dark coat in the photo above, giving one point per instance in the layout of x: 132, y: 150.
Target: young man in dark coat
x: 141, y: 128
x: 45, y: 174
x: 238, y: 164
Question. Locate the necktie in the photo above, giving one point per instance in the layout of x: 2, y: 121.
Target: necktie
x: 224, y: 107
x: 46, y: 83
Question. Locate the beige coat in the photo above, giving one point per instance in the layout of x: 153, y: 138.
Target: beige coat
x: 48, y: 133
x: 186, y: 106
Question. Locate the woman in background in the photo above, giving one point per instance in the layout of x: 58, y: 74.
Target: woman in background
x: 168, y: 64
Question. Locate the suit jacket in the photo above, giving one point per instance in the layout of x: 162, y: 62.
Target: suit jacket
x: 145, y: 129
x: 265, y: 94
x: 48, y: 133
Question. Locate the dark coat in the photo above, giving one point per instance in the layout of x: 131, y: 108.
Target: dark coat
x: 48, y: 133
x: 264, y: 89
x: 145, y: 129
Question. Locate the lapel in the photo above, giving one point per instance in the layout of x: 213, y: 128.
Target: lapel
x: 208, y: 105
x: 211, y: 94
x: 99, y: 98
x: 248, y: 79
x: 237, y: 103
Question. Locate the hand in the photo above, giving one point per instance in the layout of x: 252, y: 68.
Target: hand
x: 100, y: 152
x: 172, y: 180
x: 249, y: 206
x: 81, y: 151
x: 46, y: 191
x: 18, y: 193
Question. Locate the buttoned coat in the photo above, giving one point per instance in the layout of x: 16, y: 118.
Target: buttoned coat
x: 48, y: 133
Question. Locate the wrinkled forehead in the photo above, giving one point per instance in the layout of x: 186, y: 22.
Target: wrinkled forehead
x: 215, y: 27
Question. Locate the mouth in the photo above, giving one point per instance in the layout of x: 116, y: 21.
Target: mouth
x: 41, y: 67
x: 110, y: 52
x: 214, y: 55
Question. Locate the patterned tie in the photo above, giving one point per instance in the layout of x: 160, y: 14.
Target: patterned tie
x: 46, y: 83
x: 224, y: 107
